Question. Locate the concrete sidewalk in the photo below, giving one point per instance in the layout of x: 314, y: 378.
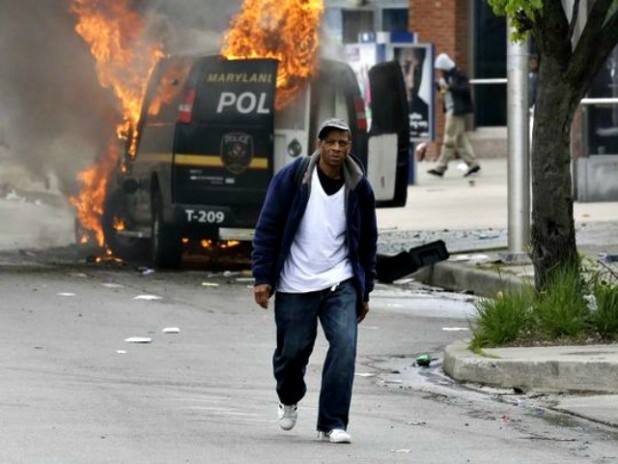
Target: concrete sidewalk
x: 471, y: 216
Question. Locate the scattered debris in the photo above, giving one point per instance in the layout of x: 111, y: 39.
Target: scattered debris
x: 365, y: 374
x: 403, y: 450
x: 171, y: 330
x: 538, y: 437
x: 608, y: 257
x: 210, y: 284
x: 138, y: 340
x: 416, y: 423
x: 396, y: 381
x: 79, y: 274
x: 423, y: 360
x: 391, y: 268
x: 145, y: 270
x: 66, y: 294
x: 147, y: 297
x: 464, y: 257
x: 487, y: 235
x: 112, y: 285
x: 455, y: 329
x: 121, y: 351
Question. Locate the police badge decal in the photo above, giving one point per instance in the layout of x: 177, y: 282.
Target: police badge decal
x: 236, y: 151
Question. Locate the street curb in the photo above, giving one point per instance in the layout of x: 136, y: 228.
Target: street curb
x: 548, y: 375
x: 459, y: 277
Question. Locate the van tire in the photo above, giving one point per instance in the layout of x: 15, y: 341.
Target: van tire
x: 166, y: 246
x: 131, y: 249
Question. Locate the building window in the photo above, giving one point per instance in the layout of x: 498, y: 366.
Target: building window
x: 603, y: 120
x: 489, y: 62
x: 395, y: 19
x: 356, y: 22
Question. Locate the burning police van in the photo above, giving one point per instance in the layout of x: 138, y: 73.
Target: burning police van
x: 211, y: 137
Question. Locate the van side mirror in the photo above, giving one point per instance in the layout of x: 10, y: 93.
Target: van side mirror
x: 130, y: 185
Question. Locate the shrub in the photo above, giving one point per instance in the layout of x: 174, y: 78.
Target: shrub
x: 503, y: 320
x: 560, y: 309
x: 604, y: 318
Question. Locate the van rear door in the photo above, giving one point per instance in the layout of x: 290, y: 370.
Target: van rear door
x: 388, y: 152
x: 224, y: 139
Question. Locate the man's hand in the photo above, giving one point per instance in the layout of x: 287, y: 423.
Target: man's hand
x: 363, y: 313
x: 262, y: 293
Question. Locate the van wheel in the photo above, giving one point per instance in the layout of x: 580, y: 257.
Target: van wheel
x: 114, y: 210
x: 166, y: 245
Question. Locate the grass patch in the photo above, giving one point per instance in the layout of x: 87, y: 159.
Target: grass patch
x: 503, y: 320
x: 604, y: 314
x: 570, y: 310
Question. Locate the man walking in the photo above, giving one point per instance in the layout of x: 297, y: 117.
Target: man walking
x: 315, y: 250
x: 457, y: 102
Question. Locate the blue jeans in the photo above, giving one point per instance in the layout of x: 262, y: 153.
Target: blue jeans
x: 296, y: 316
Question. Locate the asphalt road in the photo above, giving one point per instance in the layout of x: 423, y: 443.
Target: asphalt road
x: 72, y: 390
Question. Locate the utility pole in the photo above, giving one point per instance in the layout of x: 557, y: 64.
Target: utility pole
x: 518, y: 146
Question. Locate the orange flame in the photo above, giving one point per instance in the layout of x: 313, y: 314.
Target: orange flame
x: 89, y: 203
x: 124, y: 61
x: 286, y: 30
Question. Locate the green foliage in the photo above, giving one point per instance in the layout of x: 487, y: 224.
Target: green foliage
x: 569, y: 307
x: 511, y: 8
x: 502, y: 320
x: 521, y: 13
x: 605, y: 316
x: 561, y: 309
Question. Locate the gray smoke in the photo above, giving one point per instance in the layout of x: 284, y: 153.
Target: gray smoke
x: 53, y: 114
x: 55, y: 118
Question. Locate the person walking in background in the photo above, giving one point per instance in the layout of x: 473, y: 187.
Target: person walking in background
x: 315, y: 248
x: 457, y: 102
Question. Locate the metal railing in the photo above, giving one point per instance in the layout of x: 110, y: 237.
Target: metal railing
x: 599, y: 101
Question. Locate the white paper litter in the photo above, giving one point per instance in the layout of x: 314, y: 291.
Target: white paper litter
x: 171, y: 330
x: 112, y: 285
x: 138, y: 340
x: 121, y: 351
x: 66, y: 294
x: 147, y: 297
x: 454, y: 329
x: 365, y: 374
x: 209, y: 284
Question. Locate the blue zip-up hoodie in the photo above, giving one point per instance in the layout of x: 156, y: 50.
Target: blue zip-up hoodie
x: 284, y: 208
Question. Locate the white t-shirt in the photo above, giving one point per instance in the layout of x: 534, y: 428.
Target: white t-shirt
x: 318, y: 257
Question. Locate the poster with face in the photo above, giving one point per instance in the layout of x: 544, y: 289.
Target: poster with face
x: 416, y: 61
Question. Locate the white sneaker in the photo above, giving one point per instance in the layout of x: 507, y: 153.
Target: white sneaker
x: 287, y: 416
x: 335, y: 436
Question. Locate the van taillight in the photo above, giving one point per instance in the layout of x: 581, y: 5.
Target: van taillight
x: 361, y: 116
x: 185, y: 109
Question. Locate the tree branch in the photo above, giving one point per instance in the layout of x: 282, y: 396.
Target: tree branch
x: 594, y: 44
x: 574, y: 15
x: 610, y: 31
x: 551, y: 30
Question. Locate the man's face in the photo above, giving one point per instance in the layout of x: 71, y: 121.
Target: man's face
x: 334, y: 147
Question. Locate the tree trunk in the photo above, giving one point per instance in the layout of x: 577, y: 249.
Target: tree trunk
x: 553, y: 228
